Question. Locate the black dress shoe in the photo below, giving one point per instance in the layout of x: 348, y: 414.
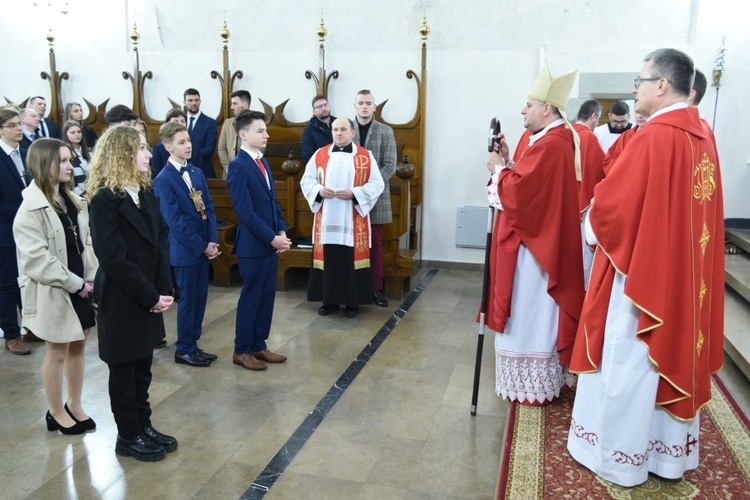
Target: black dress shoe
x: 141, y: 448
x: 379, y: 299
x: 192, y: 359
x: 168, y: 442
x: 351, y: 312
x: 53, y: 425
x: 206, y: 355
x: 162, y: 343
x: 89, y: 423
x: 326, y: 310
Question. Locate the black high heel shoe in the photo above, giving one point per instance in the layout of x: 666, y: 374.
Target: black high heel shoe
x: 53, y: 425
x: 88, y: 424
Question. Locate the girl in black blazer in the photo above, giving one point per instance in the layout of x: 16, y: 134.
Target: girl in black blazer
x: 133, y: 284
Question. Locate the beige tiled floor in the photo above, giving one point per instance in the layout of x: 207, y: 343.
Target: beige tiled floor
x: 402, y: 430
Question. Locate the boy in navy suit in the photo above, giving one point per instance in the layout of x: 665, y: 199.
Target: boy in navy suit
x: 12, y: 182
x: 261, y: 234
x: 188, y: 210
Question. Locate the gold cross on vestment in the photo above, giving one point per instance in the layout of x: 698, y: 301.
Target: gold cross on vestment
x: 705, y: 237
x: 702, y: 293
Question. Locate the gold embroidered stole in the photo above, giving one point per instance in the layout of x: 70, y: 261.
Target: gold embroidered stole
x: 361, y: 224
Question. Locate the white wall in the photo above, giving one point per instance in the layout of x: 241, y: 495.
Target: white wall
x: 483, y: 57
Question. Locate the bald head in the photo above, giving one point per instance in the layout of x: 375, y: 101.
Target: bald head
x: 343, y: 132
x: 30, y: 119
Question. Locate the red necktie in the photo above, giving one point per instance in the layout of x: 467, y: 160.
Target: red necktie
x: 262, y: 168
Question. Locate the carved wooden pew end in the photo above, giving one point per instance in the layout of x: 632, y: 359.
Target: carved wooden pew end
x: 222, y: 265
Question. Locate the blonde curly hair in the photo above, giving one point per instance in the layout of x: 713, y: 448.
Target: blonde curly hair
x: 114, y: 165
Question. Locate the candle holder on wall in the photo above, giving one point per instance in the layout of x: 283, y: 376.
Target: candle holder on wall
x: 226, y: 78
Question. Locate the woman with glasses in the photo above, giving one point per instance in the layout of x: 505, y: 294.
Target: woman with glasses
x: 56, y: 266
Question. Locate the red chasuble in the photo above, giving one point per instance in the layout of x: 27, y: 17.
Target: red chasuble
x: 540, y: 210
x: 658, y: 217
x: 616, y: 149
x: 592, y: 156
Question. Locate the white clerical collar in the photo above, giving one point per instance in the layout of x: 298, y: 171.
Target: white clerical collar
x: 253, y: 154
x: 535, y: 137
x: 667, y: 109
x: 349, y: 148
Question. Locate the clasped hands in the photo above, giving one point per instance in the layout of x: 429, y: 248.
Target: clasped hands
x: 164, y: 302
x: 281, y: 243
x: 500, y: 155
x: 212, y: 251
x: 344, y: 194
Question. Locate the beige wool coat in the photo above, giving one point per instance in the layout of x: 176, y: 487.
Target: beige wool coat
x: 44, y: 278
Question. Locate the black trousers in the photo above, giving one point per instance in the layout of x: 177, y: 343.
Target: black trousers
x: 10, y: 295
x: 128, y: 394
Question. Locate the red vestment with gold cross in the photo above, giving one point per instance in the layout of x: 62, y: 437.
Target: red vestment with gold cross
x: 658, y: 218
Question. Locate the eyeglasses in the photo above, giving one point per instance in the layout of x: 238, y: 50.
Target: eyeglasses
x: 13, y: 125
x: 638, y: 80
x: 321, y: 106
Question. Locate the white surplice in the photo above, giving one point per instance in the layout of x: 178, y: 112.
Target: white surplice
x: 338, y: 218
x: 616, y: 430
x: 527, y: 363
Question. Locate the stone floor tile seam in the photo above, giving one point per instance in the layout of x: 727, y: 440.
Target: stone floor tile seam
x: 263, y: 483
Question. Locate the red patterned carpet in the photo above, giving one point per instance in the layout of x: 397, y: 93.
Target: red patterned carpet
x: 536, y: 463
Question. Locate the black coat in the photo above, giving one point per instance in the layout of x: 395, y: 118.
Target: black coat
x: 132, y: 247
x: 90, y: 136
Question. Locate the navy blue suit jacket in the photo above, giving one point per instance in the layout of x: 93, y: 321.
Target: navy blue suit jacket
x: 159, y: 158
x: 258, y: 212
x: 11, y: 186
x: 189, y: 234
x: 204, y: 144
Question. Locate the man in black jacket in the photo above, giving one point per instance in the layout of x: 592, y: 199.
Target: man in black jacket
x: 318, y: 133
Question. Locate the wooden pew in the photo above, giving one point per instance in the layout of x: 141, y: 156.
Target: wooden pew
x: 294, y: 207
x: 401, y: 255
x: 227, y: 231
